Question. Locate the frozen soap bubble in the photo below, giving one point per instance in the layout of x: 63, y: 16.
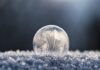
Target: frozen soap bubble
x: 51, y: 38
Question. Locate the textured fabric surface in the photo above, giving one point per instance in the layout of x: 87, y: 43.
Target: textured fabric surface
x: 28, y: 60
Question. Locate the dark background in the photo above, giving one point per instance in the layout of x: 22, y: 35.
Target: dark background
x: 20, y: 19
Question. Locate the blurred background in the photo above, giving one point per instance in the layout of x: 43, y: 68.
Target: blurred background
x: 20, y: 19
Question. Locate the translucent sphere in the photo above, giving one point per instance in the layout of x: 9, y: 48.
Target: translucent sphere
x: 51, y: 38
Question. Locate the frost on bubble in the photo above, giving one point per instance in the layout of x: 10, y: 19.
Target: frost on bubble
x: 51, y: 38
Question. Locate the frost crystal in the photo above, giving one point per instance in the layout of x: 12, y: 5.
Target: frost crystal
x: 28, y: 60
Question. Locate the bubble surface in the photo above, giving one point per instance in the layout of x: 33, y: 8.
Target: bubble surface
x: 51, y: 38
